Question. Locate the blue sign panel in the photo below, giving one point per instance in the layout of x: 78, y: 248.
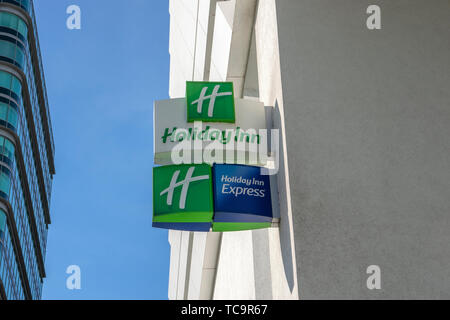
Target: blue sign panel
x: 242, y: 198
x: 193, y: 227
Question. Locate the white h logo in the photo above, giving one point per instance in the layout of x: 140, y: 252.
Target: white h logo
x: 212, y: 99
x: 185, y: 184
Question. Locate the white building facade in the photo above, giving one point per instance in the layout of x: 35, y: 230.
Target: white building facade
x: 364, y: 175
x: 218, y: 41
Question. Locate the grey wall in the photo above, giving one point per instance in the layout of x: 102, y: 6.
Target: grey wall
x: 368, y: 137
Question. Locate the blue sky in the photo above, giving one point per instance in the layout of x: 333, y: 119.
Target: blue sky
x: 101, y: 83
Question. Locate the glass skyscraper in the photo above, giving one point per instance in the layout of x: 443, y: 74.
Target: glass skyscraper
x: 26, y: 154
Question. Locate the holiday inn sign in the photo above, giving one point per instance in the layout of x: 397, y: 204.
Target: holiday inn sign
x: 205, y: 194
x: 203, y: 198
x: 209, y: 119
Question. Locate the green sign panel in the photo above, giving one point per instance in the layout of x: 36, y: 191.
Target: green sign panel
x: 182, y: 197
x: 210, y: 102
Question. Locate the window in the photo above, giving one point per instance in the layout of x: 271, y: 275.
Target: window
x: 10, y: 82
x: 11, y: 52
x: 2, y: 226
x: 11, y: 21
x: 5, y: 182
x: 9, y: 116
x: 25, y: 4
x: 6, y: 151
x: 8, y: 110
